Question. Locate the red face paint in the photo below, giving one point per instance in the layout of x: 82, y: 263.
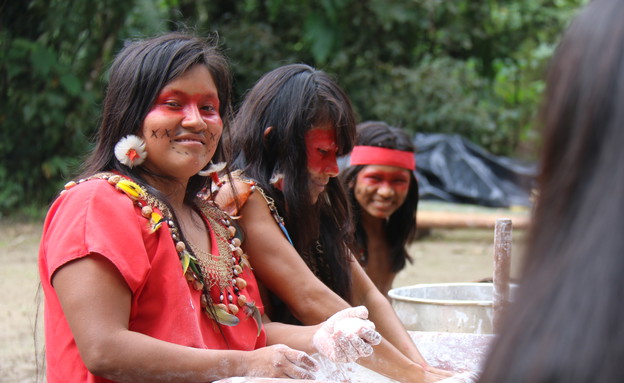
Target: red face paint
x: 183, y: 128
x: 397, y: 180
x: 321, y: 150
x: 381, y: 190
x: 177, y: 103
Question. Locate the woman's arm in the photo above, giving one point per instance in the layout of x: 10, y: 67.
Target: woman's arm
x: 388, y: 323
x: 278, y: 266
x: 96, y: 302
x: 382, y: 314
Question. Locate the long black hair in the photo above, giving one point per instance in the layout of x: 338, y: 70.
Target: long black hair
x: 293, y: 99
x: 400, y: 228
x: 567, y: 321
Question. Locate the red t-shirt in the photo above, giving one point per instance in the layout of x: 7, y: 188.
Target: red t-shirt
x: 93, y: 217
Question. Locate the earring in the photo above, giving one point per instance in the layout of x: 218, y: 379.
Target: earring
x: 130, y: 151
x: 213, y: 172
x: 277, y: 180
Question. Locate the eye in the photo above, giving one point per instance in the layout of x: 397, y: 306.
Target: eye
x: 374, y: 178
x: 172, y: 103
x: 324, y: 151
x: 209, y: 108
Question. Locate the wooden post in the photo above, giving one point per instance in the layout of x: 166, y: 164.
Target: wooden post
x: 502, y: 268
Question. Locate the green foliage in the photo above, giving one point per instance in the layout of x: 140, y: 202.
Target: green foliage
x: 53, y: 56
x: 438, y: 96
x: 469, y: 67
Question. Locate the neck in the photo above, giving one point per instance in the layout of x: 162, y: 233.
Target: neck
x: 173, y: 190
x: 372, y: 224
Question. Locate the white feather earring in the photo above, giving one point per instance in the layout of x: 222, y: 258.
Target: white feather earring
x: 130, y: 151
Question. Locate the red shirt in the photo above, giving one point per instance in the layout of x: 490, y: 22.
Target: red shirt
x: 93, y: 217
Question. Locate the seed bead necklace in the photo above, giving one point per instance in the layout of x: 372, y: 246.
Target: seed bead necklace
x: 202, y: 270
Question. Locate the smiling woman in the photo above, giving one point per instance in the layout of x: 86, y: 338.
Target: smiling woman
x: 384, y: 194
x: 143, y: 275
x: 183, y: 128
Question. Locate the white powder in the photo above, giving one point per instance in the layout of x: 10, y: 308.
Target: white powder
x: 457, y: 352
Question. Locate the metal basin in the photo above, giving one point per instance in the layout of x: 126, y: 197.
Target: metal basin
x: 446, y: 307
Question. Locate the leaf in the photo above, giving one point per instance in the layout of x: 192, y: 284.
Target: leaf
x: 320, y: 36
x: 71, y: 83
x: 250, y: 309
x: 43, y: 60
x: 186, y: 260
x: 223, y: 317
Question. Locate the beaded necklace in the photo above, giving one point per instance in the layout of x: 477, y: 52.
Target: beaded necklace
x: 313, y: 259
x: 238, y: 174
x: 202, y: 270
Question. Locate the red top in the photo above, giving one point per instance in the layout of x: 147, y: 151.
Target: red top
x: 93, y: 217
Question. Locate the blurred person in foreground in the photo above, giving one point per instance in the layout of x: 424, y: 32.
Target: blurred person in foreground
x: 566, y: 323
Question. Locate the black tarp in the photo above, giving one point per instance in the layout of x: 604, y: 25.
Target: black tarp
x: 451, y: 168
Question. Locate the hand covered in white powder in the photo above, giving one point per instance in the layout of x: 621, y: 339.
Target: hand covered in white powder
x: 347, y: 336
x: 280, y: 361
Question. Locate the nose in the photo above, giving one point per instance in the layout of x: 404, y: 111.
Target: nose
x: 193, y: 118
x: 331, y: 167
x: 385, y: 190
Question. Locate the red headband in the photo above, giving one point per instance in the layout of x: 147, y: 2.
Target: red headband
x: 374, y: 155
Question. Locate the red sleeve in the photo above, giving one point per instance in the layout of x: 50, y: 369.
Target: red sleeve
x: 94, y: 217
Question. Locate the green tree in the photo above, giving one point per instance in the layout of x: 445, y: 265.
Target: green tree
x: 463, y: 66
x: 53, y: 55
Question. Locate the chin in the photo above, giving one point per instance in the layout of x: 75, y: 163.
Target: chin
x: 380, y: 215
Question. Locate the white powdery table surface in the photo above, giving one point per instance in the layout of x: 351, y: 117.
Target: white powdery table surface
x: 450, y: 351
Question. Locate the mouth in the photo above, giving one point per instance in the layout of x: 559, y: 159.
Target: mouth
x: 319, y: 185
x: 187, y: 138
x: 383, y: 204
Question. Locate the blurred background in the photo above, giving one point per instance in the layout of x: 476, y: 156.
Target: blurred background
x: 464, y: 67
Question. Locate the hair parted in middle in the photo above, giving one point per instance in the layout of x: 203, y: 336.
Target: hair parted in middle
x: 137, y: 75
x: 400, y: 228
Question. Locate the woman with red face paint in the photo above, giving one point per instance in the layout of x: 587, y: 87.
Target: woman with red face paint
x: 384, y: 196
x: 295, y: 213
x: 146, y: 282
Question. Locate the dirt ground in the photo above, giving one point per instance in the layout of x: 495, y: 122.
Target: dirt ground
x: 445, y: 255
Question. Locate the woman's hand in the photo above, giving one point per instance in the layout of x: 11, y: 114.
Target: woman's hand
x: 280, y: 361
x: 347, y: 336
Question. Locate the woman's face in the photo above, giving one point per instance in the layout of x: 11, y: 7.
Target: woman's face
x: 381, y: 190
x: 321, y: 151
x: 183, y: 128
